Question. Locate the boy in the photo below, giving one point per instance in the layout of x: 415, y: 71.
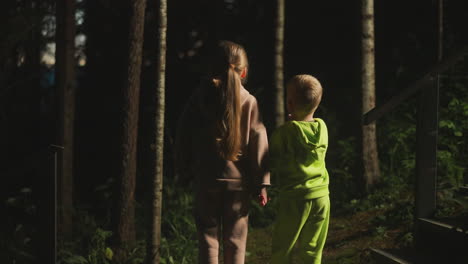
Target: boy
x: 297, y: 153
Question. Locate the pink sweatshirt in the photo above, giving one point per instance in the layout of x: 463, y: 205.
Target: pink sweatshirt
x: 196, y: 155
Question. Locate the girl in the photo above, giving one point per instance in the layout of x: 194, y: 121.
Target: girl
x: 222, y: 143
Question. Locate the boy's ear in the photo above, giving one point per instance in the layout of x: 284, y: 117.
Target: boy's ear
x: 243, y: 73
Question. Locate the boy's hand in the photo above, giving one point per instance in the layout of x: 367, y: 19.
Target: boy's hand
x: 263, y: 197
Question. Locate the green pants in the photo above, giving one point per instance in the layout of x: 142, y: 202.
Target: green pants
x: 304, y: 222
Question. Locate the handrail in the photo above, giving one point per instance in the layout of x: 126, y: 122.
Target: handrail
x: 377, y: 112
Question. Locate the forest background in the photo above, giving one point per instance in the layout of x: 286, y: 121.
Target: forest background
x: 322, y: 38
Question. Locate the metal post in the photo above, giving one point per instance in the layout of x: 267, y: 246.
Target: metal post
x: 426, y: 153
x: 427, y: 130
x: 55, y: 205
x: 55, y: 149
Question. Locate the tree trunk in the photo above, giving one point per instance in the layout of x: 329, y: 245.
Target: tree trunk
x: 65, y: 74
x: 369, y: 140
x: 125, y: 233
x: 157, y: 141
x: 279, y: 66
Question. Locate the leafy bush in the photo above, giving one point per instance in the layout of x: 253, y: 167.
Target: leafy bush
x: 452, y: 155
x: 343, y: 181
x: 397, y: 144
x: 179, y: 234
x: 89, y: 245
x: 264, y: 216
x: 19, y: 230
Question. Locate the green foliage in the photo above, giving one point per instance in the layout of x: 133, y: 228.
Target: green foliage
x: 104, y: 197
x: 397, y: 145
x: 381, y: 231
x: 89, y: 246
x: 84, y: 226
x: 259, y: 216
x: 67, y: 257
x: 394, y: 202
x: 98, y: 251
x: 343, y: 184
x: 453, y: 146
x: 18, y: 232
x: 406, y: 240
x: 452, y: 155
x: 179, y: 235
x: 347, y: 256
x: 397, y: 213
x: 137, y: 254
x: 392, y: 198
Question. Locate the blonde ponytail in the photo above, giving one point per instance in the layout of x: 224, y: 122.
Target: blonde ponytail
x: 230, y: 148
x: 227, y: 84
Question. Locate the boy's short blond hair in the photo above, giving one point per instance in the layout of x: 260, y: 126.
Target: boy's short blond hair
x: 306, y: 92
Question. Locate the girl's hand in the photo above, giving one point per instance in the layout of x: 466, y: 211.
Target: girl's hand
x: 263, y: 197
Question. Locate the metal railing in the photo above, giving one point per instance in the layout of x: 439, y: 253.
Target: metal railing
x: 44, y: 163
x: 426, y: 152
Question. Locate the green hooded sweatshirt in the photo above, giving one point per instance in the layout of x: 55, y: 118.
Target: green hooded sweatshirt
x: 297, y: 159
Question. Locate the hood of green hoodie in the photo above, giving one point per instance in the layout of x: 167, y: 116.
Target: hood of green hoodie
x: 311, y: 134
x: 298, y: 150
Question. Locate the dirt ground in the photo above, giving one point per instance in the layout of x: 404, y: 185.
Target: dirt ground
x: 349, y: 240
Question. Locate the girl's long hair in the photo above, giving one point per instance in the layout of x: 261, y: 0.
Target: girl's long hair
x: 228, y: 62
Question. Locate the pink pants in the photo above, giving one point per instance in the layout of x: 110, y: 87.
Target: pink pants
x: 226, y: 211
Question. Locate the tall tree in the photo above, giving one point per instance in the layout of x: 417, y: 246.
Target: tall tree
x: 279, y: 64
x: 369, y: 140
x: 65, y: 72
x: 157, y: 141
x: 125, y: 225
